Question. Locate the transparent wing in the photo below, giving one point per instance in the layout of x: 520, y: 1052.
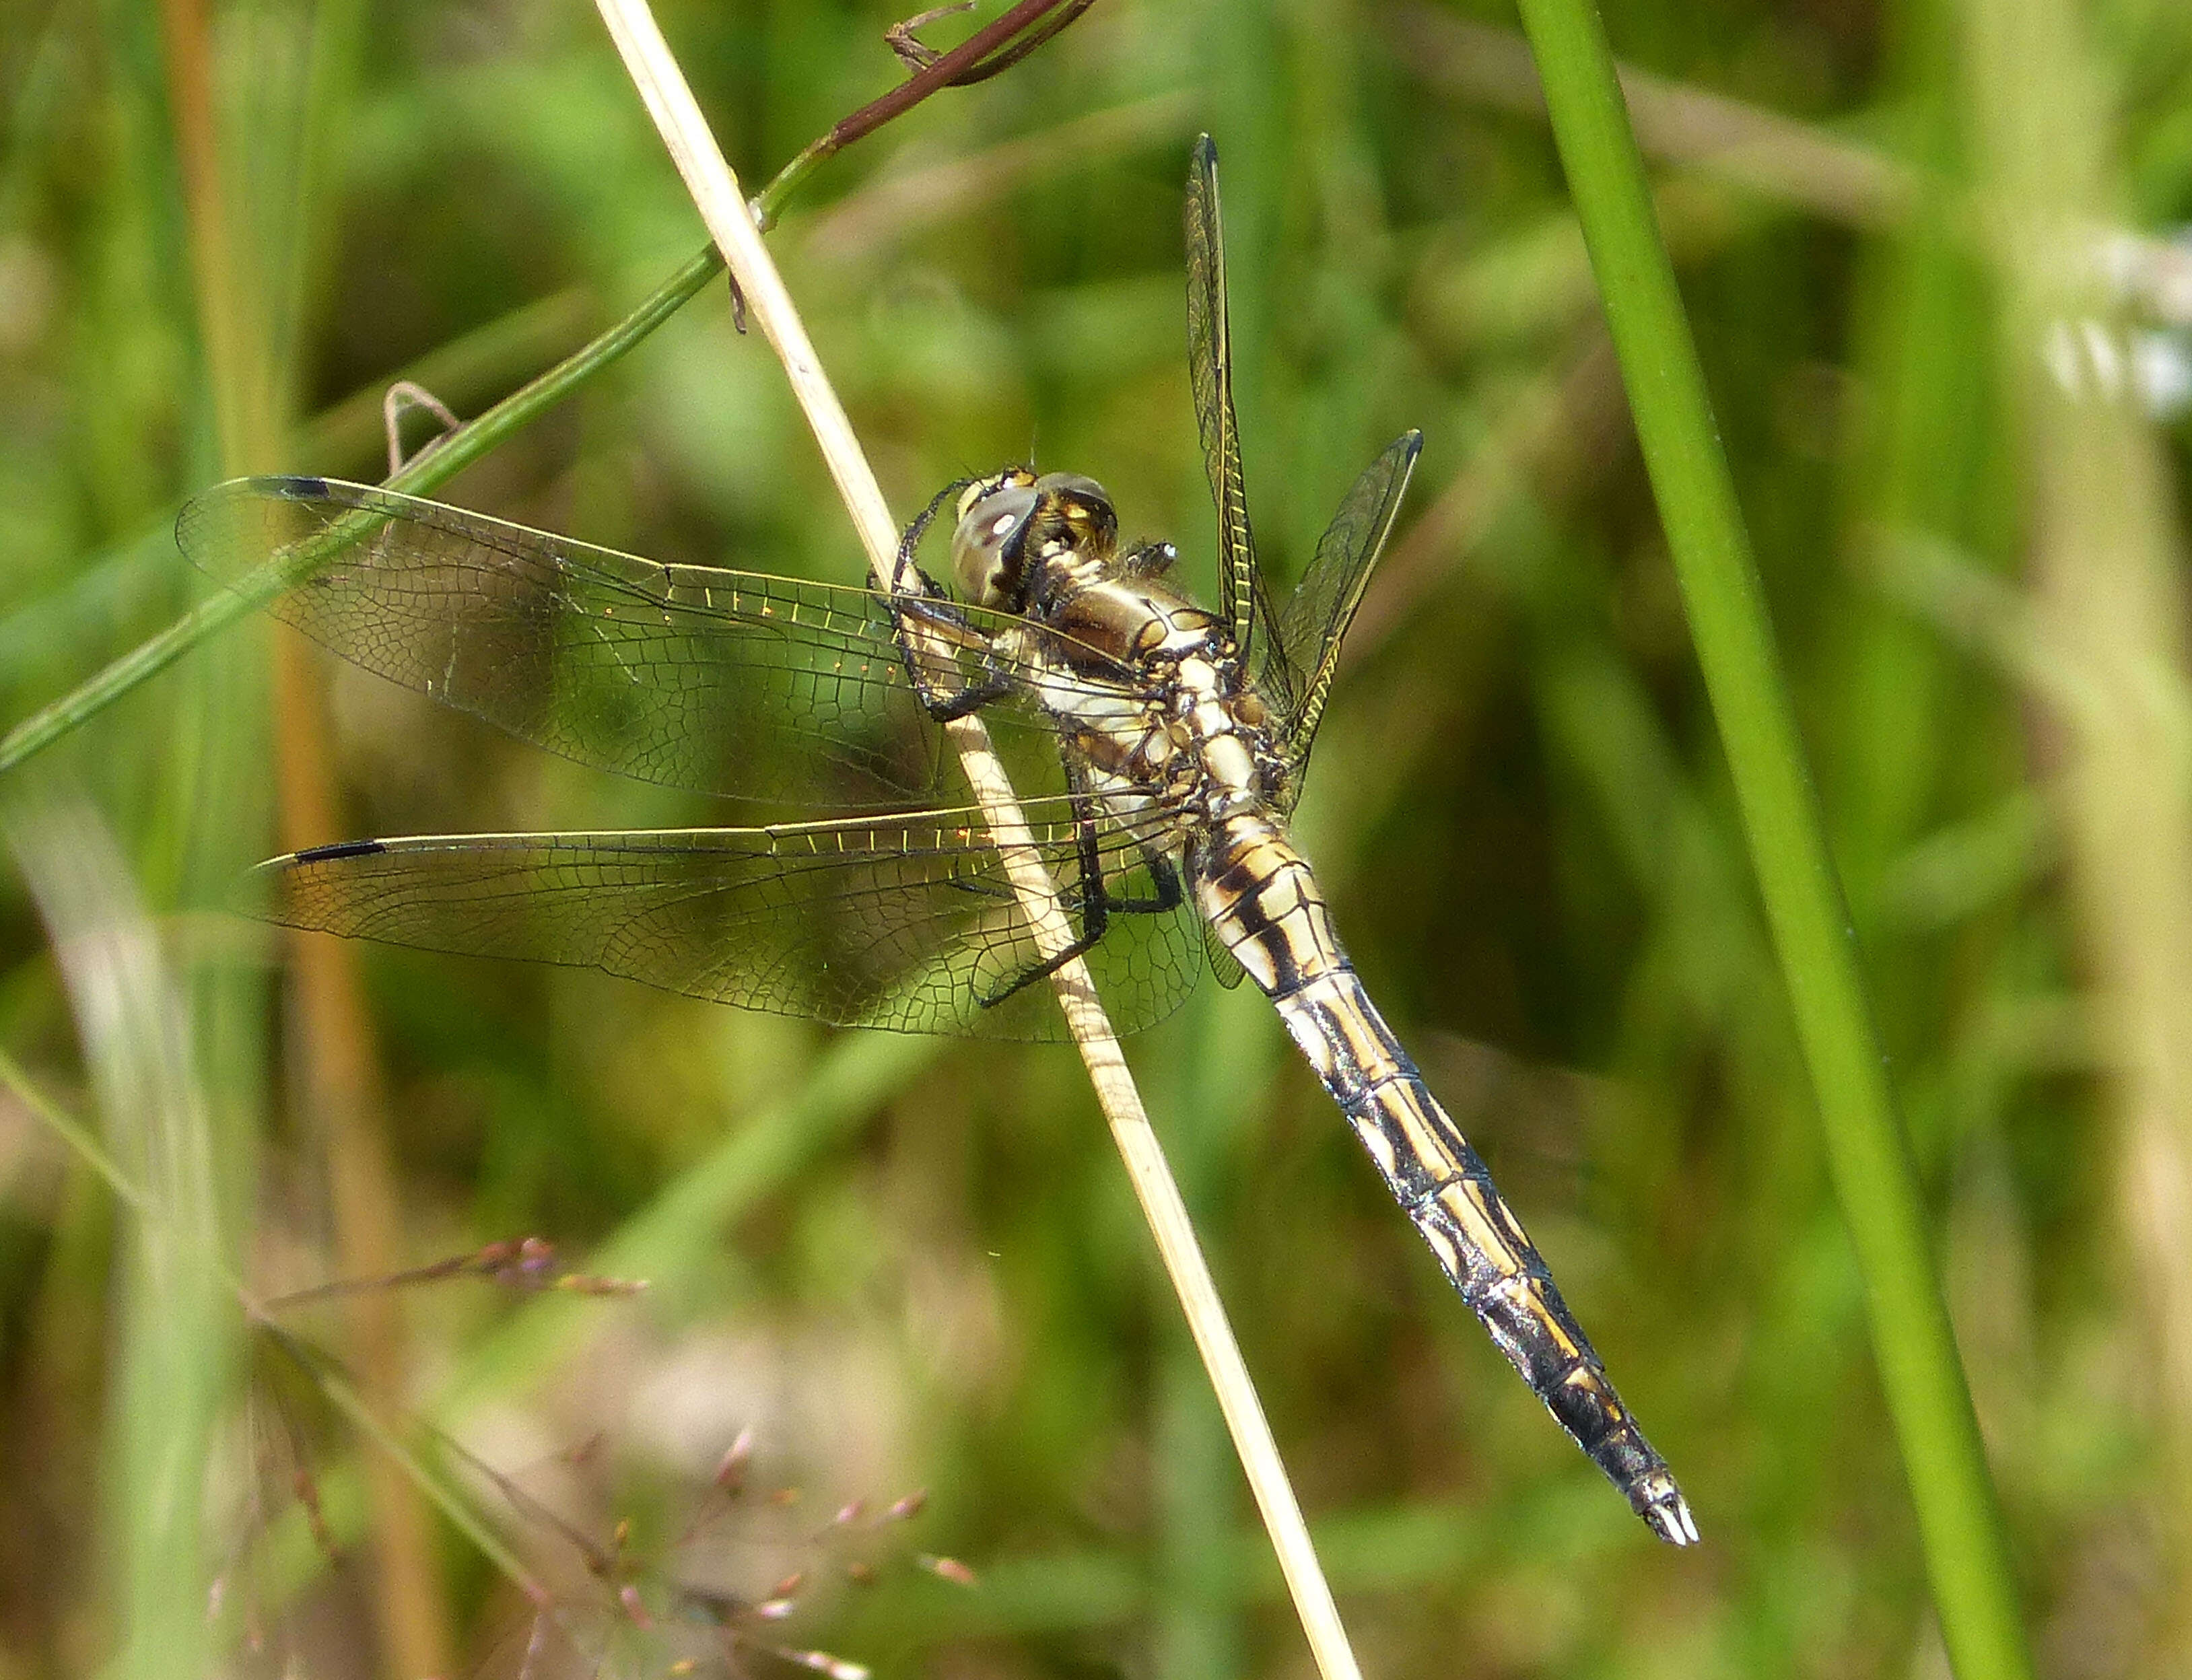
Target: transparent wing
x: 1318, y: 613
x: 903, y: 921
x: 721, y: 682
x: 1224, y: 968
x: 1241, y: 601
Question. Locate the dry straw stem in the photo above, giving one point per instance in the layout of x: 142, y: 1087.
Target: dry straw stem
x: 724, y: 208
x: 338, y: 1054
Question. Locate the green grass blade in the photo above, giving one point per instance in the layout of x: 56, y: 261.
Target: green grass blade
x: 324, y: 1374
x: 173, y: 1344
x: 1960, y: 1527
x: 423, y: 473
x: 468, y: 443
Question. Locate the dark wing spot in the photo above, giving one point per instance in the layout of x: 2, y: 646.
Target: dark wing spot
x: 323, y: 854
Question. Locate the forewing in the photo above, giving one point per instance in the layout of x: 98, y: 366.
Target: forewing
x: 903, y: 921
x: 721, y: 682
x: 1324, y: 602
x: 1241, y: 600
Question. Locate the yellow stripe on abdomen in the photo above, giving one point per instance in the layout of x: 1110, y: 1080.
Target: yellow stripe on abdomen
x: 1263, y: 899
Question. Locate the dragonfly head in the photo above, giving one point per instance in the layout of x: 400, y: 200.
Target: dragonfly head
x: 989, y: 549
x: 1013, y: 523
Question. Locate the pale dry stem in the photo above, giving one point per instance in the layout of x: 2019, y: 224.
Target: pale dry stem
x: 338, y: 1055
x: 724, y: 208
x: 2109, y: 603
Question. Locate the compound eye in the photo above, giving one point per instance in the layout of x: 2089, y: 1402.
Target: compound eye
x: 1011, y: 478
x: 1083, y: 509
x: 1078, y: 485
x: 985, y: 549
x: 1090, y: 497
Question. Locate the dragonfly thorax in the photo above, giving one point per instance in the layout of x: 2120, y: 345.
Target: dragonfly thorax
x: 1182, y: 726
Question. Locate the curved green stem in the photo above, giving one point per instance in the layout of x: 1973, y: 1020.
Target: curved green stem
x: 1032, y: 19
x: 1966, y: 1553
x: 431, y: 467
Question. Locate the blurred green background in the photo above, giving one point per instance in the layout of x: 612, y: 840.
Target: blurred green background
x: 223, y: 228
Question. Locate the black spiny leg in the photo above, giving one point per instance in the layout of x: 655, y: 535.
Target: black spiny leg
x: 940, y: 616
x: 917, y: 599
x: 1096, y: 907
x: 936, y: 615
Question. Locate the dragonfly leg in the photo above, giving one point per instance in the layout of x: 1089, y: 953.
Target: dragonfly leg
x: 917, y: 600
x: 1168, y: 896
x: 905, y: 572
x: 1151, y: 559
x: 972, y: 698
x: 941, y: 619
x: 1096, y: 907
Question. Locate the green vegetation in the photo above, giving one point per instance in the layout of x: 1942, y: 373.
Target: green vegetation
x: 1922, y: 1377
x: 910, y: 1263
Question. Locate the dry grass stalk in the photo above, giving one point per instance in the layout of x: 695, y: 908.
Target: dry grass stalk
x: 338, y: 1052
x: 724, y: 209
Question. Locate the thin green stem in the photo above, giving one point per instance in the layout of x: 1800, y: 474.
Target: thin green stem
x: 976, y: 57
x: 343, y: 1394
x: 996, y: 47
x: 1966, y: 1553
x: 338, y: 1389
x: 422, y: 473
x: 70, y: 1130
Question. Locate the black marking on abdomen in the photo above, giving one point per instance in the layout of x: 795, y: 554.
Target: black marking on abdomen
x: 1261, y: 897
x: 328, y: 854
x: 1447, y: 1190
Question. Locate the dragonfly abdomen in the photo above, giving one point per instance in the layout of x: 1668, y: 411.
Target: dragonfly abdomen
x: 1447, y: 1191
x: 1260, y: 895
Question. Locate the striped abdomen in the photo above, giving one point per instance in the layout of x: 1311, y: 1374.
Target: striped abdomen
x: 1259, y: 895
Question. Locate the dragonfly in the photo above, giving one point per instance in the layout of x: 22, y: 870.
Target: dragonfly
x: 1170, y: 742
